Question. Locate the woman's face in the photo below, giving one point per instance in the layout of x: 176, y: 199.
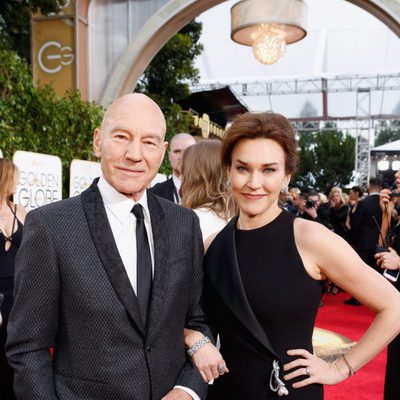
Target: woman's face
x: 257, y: 174
x: 335, y: 198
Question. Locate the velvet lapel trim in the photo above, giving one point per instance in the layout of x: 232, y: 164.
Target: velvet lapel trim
x: 107, y: 250
x: 161, y: 249
x: 222, y: 269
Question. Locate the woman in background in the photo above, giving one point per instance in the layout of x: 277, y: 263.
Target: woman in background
x: 204, y: 186
x: 339, y: 212
x: 11, y: 222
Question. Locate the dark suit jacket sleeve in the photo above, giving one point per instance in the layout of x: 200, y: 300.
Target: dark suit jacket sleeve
x: 33, y: 320
x: 190, y: 377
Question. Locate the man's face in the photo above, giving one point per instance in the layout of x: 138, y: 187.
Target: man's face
x: 131, y: 144
x: 178, y: 147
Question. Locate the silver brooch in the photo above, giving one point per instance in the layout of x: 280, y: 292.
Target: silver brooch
x: 275, y: 383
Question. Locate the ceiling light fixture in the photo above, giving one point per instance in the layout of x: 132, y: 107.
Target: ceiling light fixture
x: 268, y: 26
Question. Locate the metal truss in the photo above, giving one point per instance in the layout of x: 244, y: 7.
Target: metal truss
x: 336, y: 84
x: 363, y: 138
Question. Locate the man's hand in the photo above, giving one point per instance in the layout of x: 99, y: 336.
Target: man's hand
x: 312, y: 212
x: 177, y: 394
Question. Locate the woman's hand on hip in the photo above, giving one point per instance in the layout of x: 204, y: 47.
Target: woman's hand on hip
x: 313, y: 369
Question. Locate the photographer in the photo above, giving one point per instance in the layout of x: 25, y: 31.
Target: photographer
x: 312, y: 209
x: 390, y: 260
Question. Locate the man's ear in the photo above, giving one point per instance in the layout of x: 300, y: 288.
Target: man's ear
x: 97, y: 142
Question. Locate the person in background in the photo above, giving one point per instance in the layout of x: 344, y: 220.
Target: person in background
x: 12, y: 218
x: 391, y: 260
x: 313, y: 211
x: 170, y: 188
x: 352, y: 222
x: 295, y: 192
x: 339, y: 211
x: 355, y: 196
x: 286, y: 201
x: 204, y: 186
x: 262, y: 278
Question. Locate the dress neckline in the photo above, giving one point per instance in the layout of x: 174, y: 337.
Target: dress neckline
x: 268, y: 225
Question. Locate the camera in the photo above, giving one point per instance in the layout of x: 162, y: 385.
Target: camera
x: 310, y: 204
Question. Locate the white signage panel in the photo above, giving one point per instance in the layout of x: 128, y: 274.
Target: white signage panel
x: 1, y: 154
x: 40, y: 181
x: 81, y: 175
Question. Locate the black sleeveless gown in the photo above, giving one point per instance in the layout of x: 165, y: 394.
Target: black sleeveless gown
x: 7, y: 262
x: 285, y: 300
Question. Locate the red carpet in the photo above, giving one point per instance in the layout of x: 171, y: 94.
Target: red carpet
x: 351, y: 321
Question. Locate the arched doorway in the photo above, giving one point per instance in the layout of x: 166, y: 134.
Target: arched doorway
x: 177, y: 13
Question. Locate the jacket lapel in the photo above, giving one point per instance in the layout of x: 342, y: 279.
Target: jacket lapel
x: 222, y: 270
x: 161, y: 250
x: 106, y: 247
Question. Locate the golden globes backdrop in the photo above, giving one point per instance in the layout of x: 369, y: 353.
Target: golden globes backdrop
x: 82, y: 174
x: 40, y: 179
x: 54, y: 49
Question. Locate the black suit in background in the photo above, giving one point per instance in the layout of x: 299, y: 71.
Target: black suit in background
x: 166, y: 190
x: 365, y: 231
x: 72, y: 293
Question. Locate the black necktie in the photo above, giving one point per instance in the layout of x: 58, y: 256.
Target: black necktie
x: 143, y: 262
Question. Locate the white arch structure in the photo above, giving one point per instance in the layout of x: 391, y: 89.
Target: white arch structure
x: 174, y: 15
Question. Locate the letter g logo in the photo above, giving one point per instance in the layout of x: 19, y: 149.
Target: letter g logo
x: 52, y: 56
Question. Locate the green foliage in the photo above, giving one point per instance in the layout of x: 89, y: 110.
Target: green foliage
x: 15, y: 22
x: 35, y: 119
x: 326, y: 159
x: 386, y: 133
x: 168, y: 77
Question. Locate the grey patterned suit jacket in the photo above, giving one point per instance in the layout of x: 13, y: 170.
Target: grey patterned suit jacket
x: 72, y: 293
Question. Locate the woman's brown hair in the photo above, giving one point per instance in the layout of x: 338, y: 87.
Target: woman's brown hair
x: 266, y: 125
x: 7, y: 176
x: 204, y: 181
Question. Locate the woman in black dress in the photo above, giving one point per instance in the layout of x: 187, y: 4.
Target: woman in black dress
x: 339, y: 211
x: 262, y: 280
x: 11, y: 220
x: 391, y: 260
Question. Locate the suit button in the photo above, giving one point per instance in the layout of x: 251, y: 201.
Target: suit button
x: 148, y: 348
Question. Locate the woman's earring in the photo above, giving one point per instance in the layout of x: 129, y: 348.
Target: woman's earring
x: 228, y: 184
x: 284, y: 188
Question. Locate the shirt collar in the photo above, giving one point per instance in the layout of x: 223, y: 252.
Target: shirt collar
x: 120, y: 205
x: 177, y: 182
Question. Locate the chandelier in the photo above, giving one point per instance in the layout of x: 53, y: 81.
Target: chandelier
x: 268, y: 26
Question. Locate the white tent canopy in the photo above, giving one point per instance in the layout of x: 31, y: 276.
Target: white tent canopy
x: 393, y: 146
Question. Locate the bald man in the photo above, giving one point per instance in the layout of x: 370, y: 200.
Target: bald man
x: 170, y: 188
x: 110, y: 279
